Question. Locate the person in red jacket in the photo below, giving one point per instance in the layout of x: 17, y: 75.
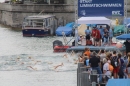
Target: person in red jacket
x: 96, y: 36
x: 93, y: 35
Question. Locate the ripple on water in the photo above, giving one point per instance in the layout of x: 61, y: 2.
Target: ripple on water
x: 14, y: 52
x: 46, y: 63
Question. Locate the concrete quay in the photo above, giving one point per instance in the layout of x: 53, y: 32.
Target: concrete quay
x: 13, y: 14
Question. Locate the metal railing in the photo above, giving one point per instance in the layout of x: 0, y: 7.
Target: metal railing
x: 84, y: 78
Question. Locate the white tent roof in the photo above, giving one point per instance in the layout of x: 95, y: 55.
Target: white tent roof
x: 94, y: 20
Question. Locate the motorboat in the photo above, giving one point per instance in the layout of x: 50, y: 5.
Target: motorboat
x: 38, y: 25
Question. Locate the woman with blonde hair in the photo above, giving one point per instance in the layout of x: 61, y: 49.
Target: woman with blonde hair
x: 128, y: 65
x: 106, y: 70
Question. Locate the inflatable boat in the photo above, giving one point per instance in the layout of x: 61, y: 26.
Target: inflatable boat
x: 94, y: 48
x: 59, y: 47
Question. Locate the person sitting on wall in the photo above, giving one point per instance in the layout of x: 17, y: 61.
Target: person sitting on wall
x: 77, y: 40
x: 88, y: 33
x: 80, y: 39
x: 83, y: 41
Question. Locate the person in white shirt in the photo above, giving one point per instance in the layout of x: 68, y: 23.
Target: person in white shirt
x: 106, y: 70
x: 83, y: 41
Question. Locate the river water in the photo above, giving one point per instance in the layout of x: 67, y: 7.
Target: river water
x: 18, y: 53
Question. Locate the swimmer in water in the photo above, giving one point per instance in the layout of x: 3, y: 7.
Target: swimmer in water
x: 65, y: 55
x: 80, y: 59
x: 72, y: 53
x: 50, y: 62
x: 34, y: 61
x: 19, y: 61
x: 32, y: 67
x: 30, y: 58
x: 55, y: 67
x: 37, y: 66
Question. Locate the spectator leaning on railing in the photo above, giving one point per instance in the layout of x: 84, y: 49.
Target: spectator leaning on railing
x: 94, y: 63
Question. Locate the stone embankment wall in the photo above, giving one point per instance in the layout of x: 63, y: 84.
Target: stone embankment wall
x: 13, y: 14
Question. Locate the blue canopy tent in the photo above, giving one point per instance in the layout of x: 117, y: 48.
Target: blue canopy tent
x: 127, y: 20
x: 118, y: 82
x: 123, y: 37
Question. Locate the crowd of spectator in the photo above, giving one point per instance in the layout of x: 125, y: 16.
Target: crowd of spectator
x: 97, y: 36
x: 107, y: 64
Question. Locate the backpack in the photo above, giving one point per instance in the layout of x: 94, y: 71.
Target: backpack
x: 115, y: 62
x: 111, y: 68
x: 122, y: 62
x: 121, y: 72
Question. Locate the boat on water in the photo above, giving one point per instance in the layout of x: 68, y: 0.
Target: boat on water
x: 83, y: 21
x: 59, y: 47
x: 38, y: 25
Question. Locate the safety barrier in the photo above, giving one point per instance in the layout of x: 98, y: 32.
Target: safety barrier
x: 84, y: 78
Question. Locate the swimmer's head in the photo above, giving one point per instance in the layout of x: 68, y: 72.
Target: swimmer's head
x: 18, y: 58
x: 62, y: 64
x: 29, y: 57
